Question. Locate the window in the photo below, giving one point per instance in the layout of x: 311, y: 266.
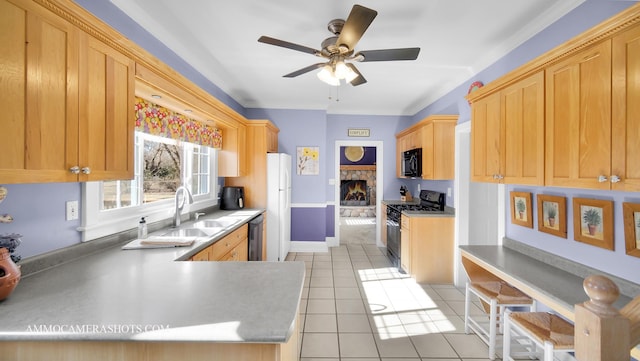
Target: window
x: 161, y: 166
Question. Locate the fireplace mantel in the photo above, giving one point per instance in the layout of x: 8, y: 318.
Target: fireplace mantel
x: 358, y: 167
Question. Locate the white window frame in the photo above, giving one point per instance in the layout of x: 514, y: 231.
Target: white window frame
x: 98, y: 223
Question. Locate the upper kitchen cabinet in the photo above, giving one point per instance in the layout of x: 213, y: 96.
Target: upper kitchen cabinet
x: 261, y: 138
x: 232, y: 159
x: 106, y: 126
x: 578, y: 133
x: 507, y: 134
x: 625, y: 131
x: 438, y: 147
x: 67, y: 101
x: 435, y: 134
x: 39, y: 87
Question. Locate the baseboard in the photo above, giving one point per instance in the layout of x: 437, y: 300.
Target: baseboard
x: 332, y: 242
x: 308, y: 246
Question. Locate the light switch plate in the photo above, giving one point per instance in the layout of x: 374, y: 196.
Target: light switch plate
x: 72, y: 210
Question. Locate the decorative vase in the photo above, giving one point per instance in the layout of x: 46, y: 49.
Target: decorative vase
x: 9, y: 274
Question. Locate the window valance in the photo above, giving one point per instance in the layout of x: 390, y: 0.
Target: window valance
x: 157, y: 120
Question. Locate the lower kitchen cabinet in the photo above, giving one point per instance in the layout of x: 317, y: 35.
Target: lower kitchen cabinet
x: 427, y: 248
x: 233, y: 247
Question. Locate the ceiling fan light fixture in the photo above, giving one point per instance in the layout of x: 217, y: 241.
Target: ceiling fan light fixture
x: 327, y: 75
x: 342, y: 70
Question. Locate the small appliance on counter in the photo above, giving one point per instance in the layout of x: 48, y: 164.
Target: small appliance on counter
x: 232, y: 198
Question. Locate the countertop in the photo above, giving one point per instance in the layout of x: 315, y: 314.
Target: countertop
x: 147, y: 295
x: 560, y: 287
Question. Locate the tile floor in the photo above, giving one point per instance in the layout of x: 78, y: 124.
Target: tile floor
x: 356, y: 307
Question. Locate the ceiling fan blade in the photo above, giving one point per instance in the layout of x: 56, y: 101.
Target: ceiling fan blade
x: 357, y: 23
x: 288, y: 45
x: 304, y: 70
x: 359, y: 79
x: 389, y: 54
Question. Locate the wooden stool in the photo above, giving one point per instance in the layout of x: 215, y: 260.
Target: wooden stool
x: 534, y: 330
x: 496, y: 296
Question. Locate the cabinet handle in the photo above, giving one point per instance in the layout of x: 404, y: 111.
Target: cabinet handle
x: 74, y: 170
x: 500, y: 176
x: 615, y: 179
x: 602, y: 179
x: 86, y: 170
x: 495, y: 176
x: 226, y: 244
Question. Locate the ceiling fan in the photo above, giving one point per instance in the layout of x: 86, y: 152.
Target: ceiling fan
x: 339, y: 49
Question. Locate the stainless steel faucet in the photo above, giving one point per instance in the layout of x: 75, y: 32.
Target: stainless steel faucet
x: 186, y: 197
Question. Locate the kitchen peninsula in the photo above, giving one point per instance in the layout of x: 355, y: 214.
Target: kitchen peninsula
x: 149, y: 305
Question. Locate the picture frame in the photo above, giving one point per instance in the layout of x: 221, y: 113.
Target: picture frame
x: 307, y: 160
x: 552, y: 215
x: 593, y: 222
x: 521, y: 209
x: 631, y: 216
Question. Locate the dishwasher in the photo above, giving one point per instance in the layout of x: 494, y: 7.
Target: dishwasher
x: 255, y: 238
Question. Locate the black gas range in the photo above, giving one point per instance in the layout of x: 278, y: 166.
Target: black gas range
x: 430, y: 202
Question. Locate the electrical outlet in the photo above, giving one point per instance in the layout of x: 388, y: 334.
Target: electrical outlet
x: 449, y: 192
x: 72, y: 210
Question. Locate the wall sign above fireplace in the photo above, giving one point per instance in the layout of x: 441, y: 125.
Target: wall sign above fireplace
x: 359, y: 132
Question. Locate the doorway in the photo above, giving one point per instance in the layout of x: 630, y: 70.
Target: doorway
x: 480, y: 207
x: 379, y: 171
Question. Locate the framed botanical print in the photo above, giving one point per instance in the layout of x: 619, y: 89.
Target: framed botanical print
x: 631, y: 215
x: 552, y: 215
x: 521, y: 209
x: 593, y: 222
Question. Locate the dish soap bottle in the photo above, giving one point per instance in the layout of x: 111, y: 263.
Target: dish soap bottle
x: 142, y: 229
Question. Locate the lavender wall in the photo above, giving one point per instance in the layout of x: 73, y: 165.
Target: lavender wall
x: 39, y: 213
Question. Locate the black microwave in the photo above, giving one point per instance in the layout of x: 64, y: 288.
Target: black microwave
x: 412, y: 163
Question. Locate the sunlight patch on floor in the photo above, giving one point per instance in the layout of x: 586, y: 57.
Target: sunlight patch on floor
x: 399, y: 306
x: 358, y: 221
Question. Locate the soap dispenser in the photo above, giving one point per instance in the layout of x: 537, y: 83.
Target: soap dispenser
x: 142, y: 229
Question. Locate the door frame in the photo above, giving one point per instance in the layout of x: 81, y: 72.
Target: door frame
x: 379, y: 184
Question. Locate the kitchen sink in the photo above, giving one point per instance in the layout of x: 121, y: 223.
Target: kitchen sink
x: 186, y: 232
x: 215, y: 223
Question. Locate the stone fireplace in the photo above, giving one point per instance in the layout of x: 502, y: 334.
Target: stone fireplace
x: 358, y: 190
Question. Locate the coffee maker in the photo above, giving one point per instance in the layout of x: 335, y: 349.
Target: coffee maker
x: 232, y: 198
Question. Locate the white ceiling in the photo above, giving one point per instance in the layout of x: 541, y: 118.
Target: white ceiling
x: 458, y: 38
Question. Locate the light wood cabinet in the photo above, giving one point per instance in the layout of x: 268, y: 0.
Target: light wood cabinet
x: 507, y: 134
x: 262, y: 138
x: 383, y: 224
x: 435, y: 134
x: 429, y: 248
x: 67, y: 101
x: 232, y: 158
x: 438, y: 147
x: 625, y: 131
x: 106, y: 127
x: 578, y: 119
x: 405, y: 244
x: 233, y: 247
x: 39, y: 57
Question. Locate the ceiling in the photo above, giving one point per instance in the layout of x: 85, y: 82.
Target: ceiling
x: 458, y: 38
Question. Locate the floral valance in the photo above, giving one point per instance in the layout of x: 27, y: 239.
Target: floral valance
x: 156, y: 120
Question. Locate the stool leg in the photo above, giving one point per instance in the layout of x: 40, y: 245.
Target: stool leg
x: 548, y: 351
x: 492, y: 328
x: 467, y: 301
x: 506, y: 337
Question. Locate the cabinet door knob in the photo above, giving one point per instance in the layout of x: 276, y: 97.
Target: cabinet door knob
x: 615, y: 179
x: 86, y: 170
x: 495, y: 176
x: 500, y: 176
x: 74, y: 170
x: 602, y: 178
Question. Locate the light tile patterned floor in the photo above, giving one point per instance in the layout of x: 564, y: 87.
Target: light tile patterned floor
x: 356, y: 307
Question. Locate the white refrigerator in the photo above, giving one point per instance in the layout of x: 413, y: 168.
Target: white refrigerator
x: 278, y: 206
